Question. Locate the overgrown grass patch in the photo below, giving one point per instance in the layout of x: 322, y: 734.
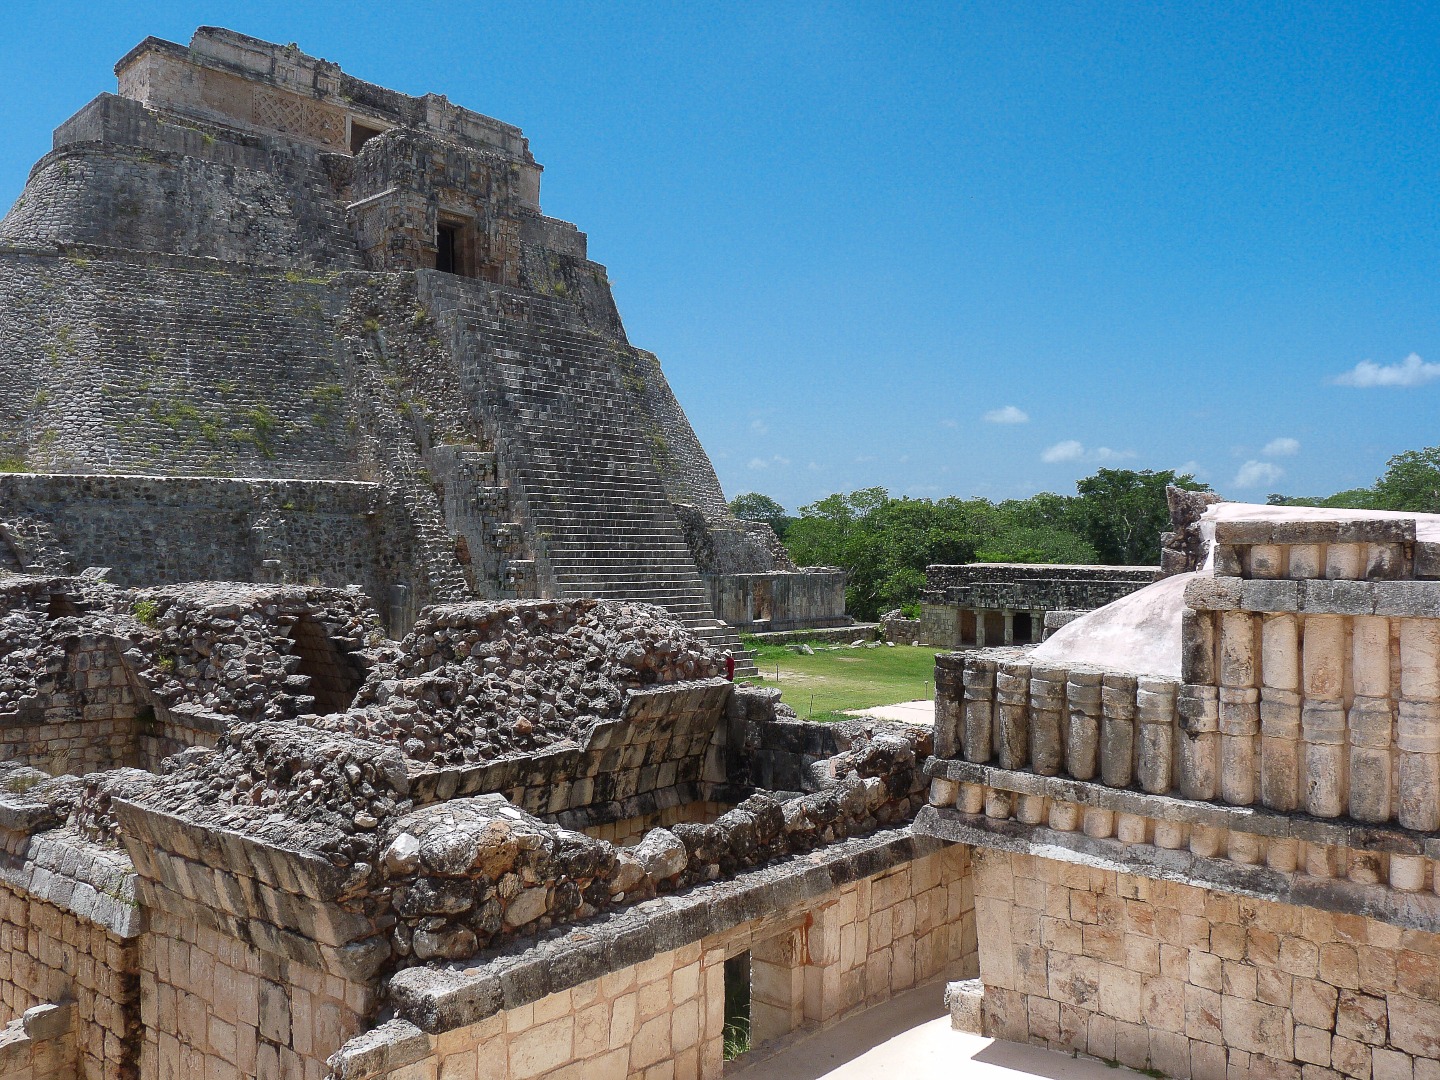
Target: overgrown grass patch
x: 823, y: 686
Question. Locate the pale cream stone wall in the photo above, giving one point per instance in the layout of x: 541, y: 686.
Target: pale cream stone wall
x: 1198, y: 983
x: 663, y: 1019
x: 49, y: 955
x: 217, y: 1008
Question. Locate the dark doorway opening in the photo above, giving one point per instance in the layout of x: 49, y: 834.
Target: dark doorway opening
x: 447, y: 248
x: 333, y: 681
x: 1024, y: 629
x: 737, y: 1006
x: 360, y: 135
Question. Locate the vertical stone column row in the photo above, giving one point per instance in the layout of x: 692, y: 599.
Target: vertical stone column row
x: 1082, y: 749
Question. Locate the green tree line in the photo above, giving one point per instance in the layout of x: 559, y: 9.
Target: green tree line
x: 1411, y: 481
x: 1116, y: 516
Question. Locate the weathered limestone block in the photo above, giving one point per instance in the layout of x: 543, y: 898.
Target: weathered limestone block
x: 979, y: 709
x: 1117, y: 732
x: 1012, y: 714
x: 1047, y: 705
x: 1345, y: 562
x: 1280, y: 712
x: 1197, y: 645
x: 1322, y: 718
x: 1083, y: 694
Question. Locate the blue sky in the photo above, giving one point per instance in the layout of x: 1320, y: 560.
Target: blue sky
x: 948, y: 249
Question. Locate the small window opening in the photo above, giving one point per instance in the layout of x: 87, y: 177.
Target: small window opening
x: 360, y: 135
x: 447, y: 248
x: 736, y: 1035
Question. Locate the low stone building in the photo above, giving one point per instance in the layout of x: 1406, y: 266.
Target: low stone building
x: 1205, y: 821
x: 1008, y: 603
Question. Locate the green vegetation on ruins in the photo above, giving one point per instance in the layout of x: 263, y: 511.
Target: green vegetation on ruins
x: 823, y: 686
x: 1115, y: 517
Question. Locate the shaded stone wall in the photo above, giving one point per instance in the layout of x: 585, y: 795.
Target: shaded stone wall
x: 1196, y: 983
x: 794, y: 600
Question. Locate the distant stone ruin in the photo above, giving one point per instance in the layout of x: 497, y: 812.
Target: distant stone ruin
x: 267, y: 322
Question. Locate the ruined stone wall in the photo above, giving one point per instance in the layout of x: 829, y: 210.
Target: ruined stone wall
x: 40, y: 1045
x: 1196, y: 983
x: 69, y: 932
x: 158, y: 529
x: 124, y: 177
x: 87, y: 716
x: 145, y: 368
x: 812, y: 962
x: 797, y: 600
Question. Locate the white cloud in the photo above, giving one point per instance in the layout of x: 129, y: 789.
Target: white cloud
x: 765, y: 463
x: 1074, y: 450
x: 1254, y: 474
x: 949, y: 423
x: 1069, y: 450
x: 781, y: 461
x: 759, y: 427
x: 1282, y: 447
x: 1412, y: 371
x: 1008, y: 415
x: 758, y: 463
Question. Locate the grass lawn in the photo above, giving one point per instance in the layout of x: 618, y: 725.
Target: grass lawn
x: 819, y: 687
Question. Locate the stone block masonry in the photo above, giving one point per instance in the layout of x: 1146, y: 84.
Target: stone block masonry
x: 1197, y: 983
x: 662, y: 1012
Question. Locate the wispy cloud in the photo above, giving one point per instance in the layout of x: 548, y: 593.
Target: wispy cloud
x: 1412, y: 371
x: 1282, y: 447
x: 776, y: 460
x: 1074, y: 450
x: 1255, y: 474
x: 947, y: 422
x: 759, y: 427
x: 1008, y: 415
x: 1069, y: 450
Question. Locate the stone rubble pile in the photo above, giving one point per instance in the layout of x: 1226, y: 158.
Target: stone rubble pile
x: 291, y: 785
x: 227, y: 647
x: 479, y: 681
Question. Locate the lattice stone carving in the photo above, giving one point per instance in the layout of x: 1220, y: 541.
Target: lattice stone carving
x: 291, y: 115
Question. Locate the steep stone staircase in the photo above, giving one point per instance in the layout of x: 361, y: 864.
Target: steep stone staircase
x: 568, y: 431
